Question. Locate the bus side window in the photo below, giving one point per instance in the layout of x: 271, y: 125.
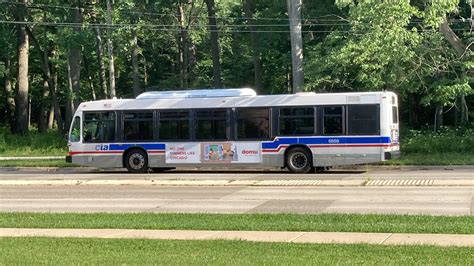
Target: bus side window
x: 75, y: 135
x: 138, y: 126
x: 363, y: 119
x: 253, y: 123
x: 296, y: 121
x: 99, y: 127
x: 211, y: 124
x: 333, y: 120
x: 174, y: 125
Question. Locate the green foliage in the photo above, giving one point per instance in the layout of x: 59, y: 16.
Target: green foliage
x: 349, y: 45
x: 448, y: 140
x: 436, y: 11
x: 31, y: 144
x: 374, y: 54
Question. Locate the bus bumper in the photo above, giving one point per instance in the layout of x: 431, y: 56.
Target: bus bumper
x: 68, y: 159
x: 391, y: 155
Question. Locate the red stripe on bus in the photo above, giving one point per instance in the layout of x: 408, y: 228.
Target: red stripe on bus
x: 72, y: 153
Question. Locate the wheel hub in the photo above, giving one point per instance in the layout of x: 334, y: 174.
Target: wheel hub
x: 298, y: 160
x: 136, y: 161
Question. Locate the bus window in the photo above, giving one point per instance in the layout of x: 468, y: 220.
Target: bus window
x: 296, y: 121
x: 174, y: 125
x: 332, y: 120
x: 211, y: 124
x: 253, y: 123
x: 99, y: 127
x: 137, y: 126
x: 363, y: 119
x: 75, y: 135
x: 395, y: 114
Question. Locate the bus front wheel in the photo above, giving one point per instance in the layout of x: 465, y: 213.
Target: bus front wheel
x: 136, y: 161
x: 298, y: 160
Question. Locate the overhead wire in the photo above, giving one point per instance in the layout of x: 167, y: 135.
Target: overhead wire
x: 176, y: 28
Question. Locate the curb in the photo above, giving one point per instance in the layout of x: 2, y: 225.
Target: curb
x: 283, y: 183
x: 257, y: 236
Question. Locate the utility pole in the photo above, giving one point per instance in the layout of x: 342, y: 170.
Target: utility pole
x: 110, y: 49
x: 294, y: 16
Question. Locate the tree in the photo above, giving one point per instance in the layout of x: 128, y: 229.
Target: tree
x: 257, y: 62
x: 216, y: 65
x: 74, y: 62
x: 6, y: 42
x: 110, y: 49
x: 22, y: 107
x: 294, y: 16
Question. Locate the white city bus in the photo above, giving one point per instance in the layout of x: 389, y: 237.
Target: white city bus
x: 235, y: 128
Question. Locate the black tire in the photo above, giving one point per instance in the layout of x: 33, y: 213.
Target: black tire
x: 299, y: 160
x: 136, y: 161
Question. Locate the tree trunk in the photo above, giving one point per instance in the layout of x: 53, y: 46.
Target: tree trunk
x: 136, y: 77
x: 100, y: 60
x: 21, y: 111
x: 294, y: 15
x: 438, y: 121
x: 183, y: 48
x: 57, y: 109
x: 51, y: 116
x: 44, y: 107
x: 257, y: 62
x: 9, y: 95
x: 145, y: 73
x: 89, y: 77
x: 412, y: 112
x: 216, y: 65
x: 110, y: 49
x: 74, y: 69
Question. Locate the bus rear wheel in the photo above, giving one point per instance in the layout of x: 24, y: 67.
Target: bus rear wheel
x: 136, y: 161
x: 298, y: 160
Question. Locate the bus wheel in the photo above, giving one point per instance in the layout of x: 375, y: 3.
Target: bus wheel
x: 298, y: 160
x: 136, y: 161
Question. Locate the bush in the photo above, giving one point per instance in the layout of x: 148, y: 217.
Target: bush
x: 31, y: 144
x: 448, y: 140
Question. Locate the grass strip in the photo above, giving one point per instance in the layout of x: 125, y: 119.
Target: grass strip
x: 71, y: 251
x: 447, y: 158
x: 36, y: 163
x: 239, y: 222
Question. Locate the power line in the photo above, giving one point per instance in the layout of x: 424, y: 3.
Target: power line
x: 175, y: 28
x: 323, y: 18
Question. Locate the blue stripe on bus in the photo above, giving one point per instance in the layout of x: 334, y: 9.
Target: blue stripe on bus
x: 146, y: 146
x: 325, y: 140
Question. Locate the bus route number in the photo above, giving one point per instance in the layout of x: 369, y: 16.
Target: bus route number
x: 102, y: 147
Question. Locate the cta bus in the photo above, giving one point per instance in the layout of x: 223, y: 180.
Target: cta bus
x: 235, y: 128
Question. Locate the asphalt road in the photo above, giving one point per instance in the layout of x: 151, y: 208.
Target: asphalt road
x: 432, y: 200
x: 443, y: 173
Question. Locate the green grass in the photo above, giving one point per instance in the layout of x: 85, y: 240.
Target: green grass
x: 240, y: 222
x: 448, y: 158
x: 31, y: 144
x: 72, y: 251
x: 36, y: 163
